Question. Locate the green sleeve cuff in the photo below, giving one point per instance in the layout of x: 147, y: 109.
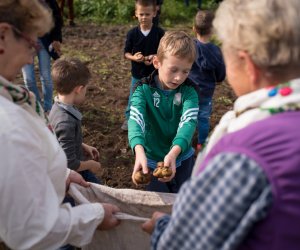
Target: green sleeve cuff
x: 136, y: 141
x: 181, y: 143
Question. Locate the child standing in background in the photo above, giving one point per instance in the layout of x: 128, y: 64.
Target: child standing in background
x: 207, y: 70
x: 141, y: 45
x: 163, y: 114
x: 49, y: 47
x: 70, y: 77
x: 158, y: 12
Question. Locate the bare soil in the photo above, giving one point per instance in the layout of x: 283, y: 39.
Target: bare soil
x: 101, y: 47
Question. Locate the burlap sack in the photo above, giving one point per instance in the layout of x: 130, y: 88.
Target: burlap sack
x: 128, y: 235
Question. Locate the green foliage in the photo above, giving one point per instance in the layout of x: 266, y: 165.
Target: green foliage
x: 105, y: 11
x: 122, y: 11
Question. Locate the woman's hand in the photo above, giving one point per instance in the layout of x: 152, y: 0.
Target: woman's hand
x: 149, y: 225
x: 74, y: 177
x: 109, y: 220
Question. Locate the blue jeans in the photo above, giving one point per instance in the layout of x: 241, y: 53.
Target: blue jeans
x: 44, y: 61
x: 205, y: 108
x: 183, y: 173
x: 133, y: 82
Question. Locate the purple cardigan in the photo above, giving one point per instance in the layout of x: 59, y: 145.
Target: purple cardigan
x: 274, y: 143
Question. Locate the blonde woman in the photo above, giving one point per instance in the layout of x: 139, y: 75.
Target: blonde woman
x: 245, y: 193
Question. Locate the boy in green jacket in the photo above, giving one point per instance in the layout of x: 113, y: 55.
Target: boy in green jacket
x: 163, y: 114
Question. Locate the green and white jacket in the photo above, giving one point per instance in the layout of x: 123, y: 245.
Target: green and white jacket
x: 161, y: 119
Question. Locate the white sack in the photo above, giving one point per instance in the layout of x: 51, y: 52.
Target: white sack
x: 128, y: 235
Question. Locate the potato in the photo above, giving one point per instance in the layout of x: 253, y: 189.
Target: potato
x: 162, y: 171
x: 167, y: 171
x: 142, y: 178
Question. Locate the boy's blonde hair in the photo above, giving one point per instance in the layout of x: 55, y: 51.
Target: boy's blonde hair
x: 26, y: 15
x: 68, y: 73
x: 177, y: 43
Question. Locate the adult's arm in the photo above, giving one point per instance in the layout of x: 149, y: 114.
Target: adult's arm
x: 216, y: 208
x: 31, y: 213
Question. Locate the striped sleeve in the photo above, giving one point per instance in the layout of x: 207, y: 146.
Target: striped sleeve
x: 136, y: 121
x: 188, y: 120
x: 190, y: 114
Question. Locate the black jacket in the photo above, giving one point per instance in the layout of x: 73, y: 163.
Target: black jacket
x: 55, y: 34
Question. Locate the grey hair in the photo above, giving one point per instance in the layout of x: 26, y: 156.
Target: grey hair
x: 269, y: 30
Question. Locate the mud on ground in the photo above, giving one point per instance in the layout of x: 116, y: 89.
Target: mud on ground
x: 101, y: 47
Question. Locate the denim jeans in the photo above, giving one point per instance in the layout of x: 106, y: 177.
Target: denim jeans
x: 44, y: 61
x: 205, y: 108
x: 133, y: 82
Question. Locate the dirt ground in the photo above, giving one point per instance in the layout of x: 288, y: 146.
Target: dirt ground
x: 103, y: 112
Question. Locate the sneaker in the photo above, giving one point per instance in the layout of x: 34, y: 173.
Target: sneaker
x: 125, y: 125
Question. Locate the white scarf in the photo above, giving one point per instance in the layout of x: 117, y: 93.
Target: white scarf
x: 253, y: 107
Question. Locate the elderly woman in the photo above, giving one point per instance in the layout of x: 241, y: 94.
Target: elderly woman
x: 245, y: 192
x: 33, y: 167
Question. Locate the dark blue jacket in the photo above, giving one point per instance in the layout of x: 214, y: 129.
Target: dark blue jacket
x: 208, y: 68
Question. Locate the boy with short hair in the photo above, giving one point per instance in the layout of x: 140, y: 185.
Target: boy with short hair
x: 141, y: 45
x: 159, y: 4
x: 207, y: 70
x: 163, y: 114
x: 70, y: 77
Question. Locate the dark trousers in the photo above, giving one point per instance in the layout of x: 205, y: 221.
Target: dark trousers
x: 183, y: 173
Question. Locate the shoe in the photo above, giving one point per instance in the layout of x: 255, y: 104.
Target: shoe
x: 125, y: 125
